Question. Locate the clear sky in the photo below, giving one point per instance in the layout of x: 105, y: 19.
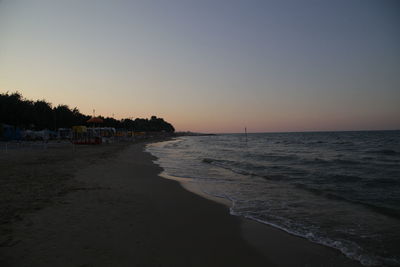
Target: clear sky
x: 210, y: 65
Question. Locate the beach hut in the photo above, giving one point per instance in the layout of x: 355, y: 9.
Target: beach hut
x: 64, y: 133
x: 9, y: 132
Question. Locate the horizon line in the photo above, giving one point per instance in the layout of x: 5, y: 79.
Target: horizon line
x: 307, y: 131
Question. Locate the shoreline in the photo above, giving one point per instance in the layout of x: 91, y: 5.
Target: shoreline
x: 124, y: 214
x: 256, y: 233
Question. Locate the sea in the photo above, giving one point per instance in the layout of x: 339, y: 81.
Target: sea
x: 338, y: 189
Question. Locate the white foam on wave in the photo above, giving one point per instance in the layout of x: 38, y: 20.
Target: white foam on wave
x: 351, y: 249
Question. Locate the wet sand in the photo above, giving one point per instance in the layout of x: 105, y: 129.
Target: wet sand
x: 114, y: 210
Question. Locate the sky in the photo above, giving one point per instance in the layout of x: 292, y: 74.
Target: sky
x: 210, y: 65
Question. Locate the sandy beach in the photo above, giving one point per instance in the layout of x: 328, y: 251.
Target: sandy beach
x: 199, y: 133
x: 108, y: 206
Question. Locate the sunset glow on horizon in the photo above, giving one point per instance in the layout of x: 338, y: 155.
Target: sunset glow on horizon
x: 210, y: 66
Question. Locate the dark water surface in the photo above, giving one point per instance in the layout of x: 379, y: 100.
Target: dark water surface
x: 340, y: 189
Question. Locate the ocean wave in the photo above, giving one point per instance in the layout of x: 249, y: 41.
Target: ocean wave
x: 315, y: 142
x: 321, y: 161
x: 321, y: 192
x: 207, y: 160
x: 316, y: 161
x: 390, y: 160
x: 341, y: 178
x: 388, y: 152
x: 343, y: 143
x: 347, y: 161
x: 274, y: 158
x: 228, y: 165
x: 284, y: 173
x: 348, y: 186
x: 368, y: 158
x: 391, y: 212
x: 382, y: 182
x: 351, y: 249
x: 380, y: 209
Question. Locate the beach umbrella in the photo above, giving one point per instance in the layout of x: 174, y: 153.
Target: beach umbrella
x: 95, y: 120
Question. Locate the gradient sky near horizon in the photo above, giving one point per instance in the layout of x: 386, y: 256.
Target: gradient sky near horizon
x: 210, y: 65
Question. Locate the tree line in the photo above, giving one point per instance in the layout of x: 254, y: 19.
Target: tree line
x: 38, y: 115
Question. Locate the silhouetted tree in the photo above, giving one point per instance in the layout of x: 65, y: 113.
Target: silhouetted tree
x: 17, y: 111
x: 42, y: 115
